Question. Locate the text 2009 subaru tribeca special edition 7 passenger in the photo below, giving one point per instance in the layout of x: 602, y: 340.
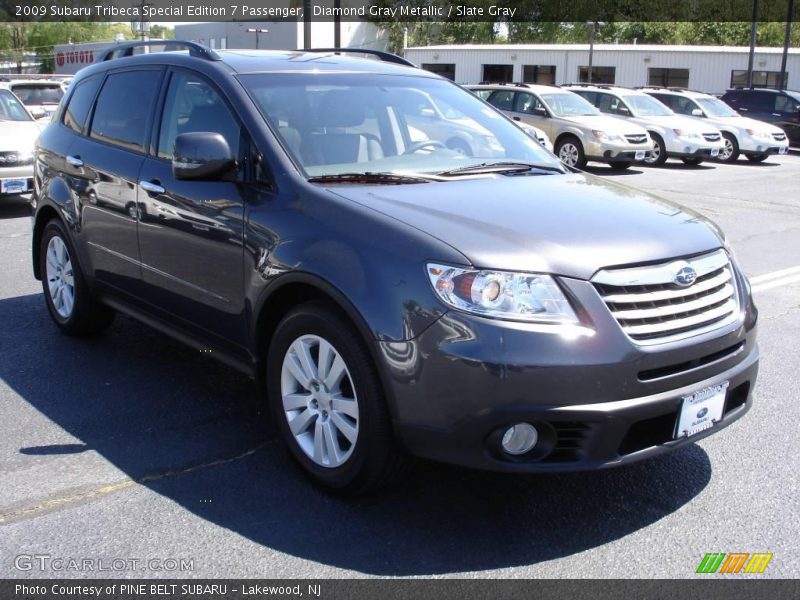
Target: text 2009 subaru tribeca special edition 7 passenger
x: 395, y: 297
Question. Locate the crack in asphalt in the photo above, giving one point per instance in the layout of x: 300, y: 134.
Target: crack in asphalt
x: 64, y: 501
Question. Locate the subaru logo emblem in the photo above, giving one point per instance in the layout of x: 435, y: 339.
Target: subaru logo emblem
x: 11, y: 158
x: 703, y: 412
x: 685, y: 276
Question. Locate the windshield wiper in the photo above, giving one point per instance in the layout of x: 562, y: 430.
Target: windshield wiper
x: 501, y: 167
x: 372, y: 177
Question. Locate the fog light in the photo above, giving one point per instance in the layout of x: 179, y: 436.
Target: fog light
x: 520, y: 438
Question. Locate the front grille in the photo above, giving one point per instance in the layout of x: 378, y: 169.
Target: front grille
x: 712, y: 137
x: 779, y: 136
x: 636, y: 139
x: 14, y: 159
x: 652, y: 307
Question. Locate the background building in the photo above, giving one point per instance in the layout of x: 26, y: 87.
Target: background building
x: 710, y: 69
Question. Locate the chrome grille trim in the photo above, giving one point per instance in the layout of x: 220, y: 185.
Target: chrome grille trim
x: 652, y: 309
x: 779, y: 136
x: 636, y: 139
x: 712, y: 137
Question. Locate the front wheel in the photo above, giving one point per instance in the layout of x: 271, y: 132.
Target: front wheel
x: 570, y: 151
x: 730, y: 152
x: 658, y: 155
x: 69, y: 300
x: 756, y: 158
x: 694, y: 161
x: 329, y: 403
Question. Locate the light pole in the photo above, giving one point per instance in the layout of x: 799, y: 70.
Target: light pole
x: 257, y: 31
x: 593, y: 25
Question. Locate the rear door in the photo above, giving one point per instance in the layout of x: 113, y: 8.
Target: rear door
x: 105, y: 165
x: 191, y: 232
x: 787, y: 112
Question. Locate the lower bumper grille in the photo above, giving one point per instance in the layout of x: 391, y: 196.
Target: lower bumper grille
x: 661, y: 303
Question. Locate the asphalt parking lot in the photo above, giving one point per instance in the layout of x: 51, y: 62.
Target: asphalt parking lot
x: 129, y: 446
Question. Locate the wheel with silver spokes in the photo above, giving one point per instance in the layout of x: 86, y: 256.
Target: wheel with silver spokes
x: 658, y: 155
x: 69, y: 300
x: 60, y: 278
x: 730, y: 152
x: 319, y: 401
x: 570, y: 151
x: 328, y: 400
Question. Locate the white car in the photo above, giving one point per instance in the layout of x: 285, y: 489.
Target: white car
x: 674, y: 136
x: 742, y: 135
x: 40, y: 96
x: 578, y: 130
x: 18, y: 132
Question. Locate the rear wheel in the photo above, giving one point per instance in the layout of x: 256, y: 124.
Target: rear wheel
x: 570, y: 150
x: 620, y: 165
x: 693, y: 160
x: 329, y: 403
x: 730, y: 152
x: 69, y: 300
x: 658, y: 156
x: 757, y: 158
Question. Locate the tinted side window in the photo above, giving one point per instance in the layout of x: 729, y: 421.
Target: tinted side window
x: 666, y: 99
x: 590, y: 97
x: 192, y: 105
x: 502, y: 99
x: 80, y: 103
x: 122, y: 108
x: 762, y: 101
x: 683, y: 106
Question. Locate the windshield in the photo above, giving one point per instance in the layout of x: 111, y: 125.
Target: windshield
x: 11, y: 109
x: 31, y: 95
x: 714, y: 107
x: 645, y: 106
x: 334, y: 123
x: 569, y: 105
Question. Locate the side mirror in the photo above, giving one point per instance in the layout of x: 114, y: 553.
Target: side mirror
x: 540, y: 111
x: 623, y: 110
x: 201, y: 155
x: 696, y: 112
x: 428, y: 113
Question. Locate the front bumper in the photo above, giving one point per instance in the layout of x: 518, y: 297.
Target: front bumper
x: 693, y: 148
x: 750, y: 145
x: 608, y: 151
x: 597, y: 401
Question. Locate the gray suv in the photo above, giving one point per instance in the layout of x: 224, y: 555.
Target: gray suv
x: 392, y: 295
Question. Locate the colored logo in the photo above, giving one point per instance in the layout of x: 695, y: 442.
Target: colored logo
x: 703, y: 412
x: 60, y: 59
x: 736, y: 562
x: 685, y: 276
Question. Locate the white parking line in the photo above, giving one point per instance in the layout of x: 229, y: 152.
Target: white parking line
x: 774, y: 275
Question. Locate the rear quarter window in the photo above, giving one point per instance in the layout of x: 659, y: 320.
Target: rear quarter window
x: 80, y: 103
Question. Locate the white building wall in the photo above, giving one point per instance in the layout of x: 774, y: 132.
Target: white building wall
x: 709, y: 67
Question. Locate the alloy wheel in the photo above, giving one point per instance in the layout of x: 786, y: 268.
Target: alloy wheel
x: 60, y: 277
x: 568, y: 153
x: 319, y: 401
x: 727, y: 151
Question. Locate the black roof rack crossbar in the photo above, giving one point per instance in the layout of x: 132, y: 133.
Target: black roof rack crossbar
x: 126, y: 49
x: 384, y: 56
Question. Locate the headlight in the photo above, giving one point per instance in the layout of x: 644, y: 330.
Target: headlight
x: 686, y: 134
x: 530, y: 297
x: 606, y: 137
x: 759, y: 135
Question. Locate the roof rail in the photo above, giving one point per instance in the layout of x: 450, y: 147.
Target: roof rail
x: 384, y: 56
x: 126, y: 49
x: 604, y: 86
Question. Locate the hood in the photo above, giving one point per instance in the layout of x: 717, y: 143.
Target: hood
x: 16, y: 136
x: 744, y: 123
x: 608, y: 124
x: 571, y: 225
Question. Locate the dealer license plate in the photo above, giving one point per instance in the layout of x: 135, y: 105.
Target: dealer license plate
x: 715, y: 152
x: 701, y: 410
x: 13, y: 186
x: 782, y: 150
x: 639, y: 155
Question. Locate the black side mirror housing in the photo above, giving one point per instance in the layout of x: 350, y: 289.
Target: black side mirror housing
x: 540, y: 112
x: 202, y: 156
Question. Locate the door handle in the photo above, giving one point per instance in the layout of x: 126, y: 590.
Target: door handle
x: 516, y: 118
x: 75, y: 161
x: 151, y: 187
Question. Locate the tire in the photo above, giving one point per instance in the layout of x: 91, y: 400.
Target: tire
x: 570, y: 151
x: 368, y: 457
x: 620, y: 165
x: 62, y: 280
x: 693, y: 161
x: 757, y: 158
x: 659, y: 154
x: 460, y: 147
x: 730, y: 153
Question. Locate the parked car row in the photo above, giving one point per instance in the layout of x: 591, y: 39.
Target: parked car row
x: 620, y: 126
x: 40, y: 96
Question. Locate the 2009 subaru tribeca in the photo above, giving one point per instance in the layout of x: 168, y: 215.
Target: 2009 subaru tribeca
x: 395, y: 297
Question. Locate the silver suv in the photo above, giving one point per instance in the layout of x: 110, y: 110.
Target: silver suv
x: 741, y: 135
x: 578, y: 130
x: 674, y: 136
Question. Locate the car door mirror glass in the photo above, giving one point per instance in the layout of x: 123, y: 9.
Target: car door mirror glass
x: 202, y: 155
